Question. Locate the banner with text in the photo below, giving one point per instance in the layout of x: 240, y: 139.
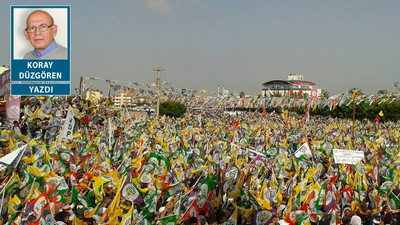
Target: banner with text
x: 342, y: 156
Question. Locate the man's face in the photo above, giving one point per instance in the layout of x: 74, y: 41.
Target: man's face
x: 40, y: 40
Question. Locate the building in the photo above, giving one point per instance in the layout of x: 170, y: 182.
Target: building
x: 294, y: 85
x: 128, y: 98
x: 122, y: 98
x: 224, y: 93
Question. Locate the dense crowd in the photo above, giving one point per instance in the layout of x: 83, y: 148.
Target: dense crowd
x: 207, y: 167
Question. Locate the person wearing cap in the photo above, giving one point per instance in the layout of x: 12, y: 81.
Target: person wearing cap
x: 346, y: 215
x: 40, y: 31
x: 376, y: 218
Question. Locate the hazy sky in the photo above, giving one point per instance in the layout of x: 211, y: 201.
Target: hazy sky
x: 236, y: 43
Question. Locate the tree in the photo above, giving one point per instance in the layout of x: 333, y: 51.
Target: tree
x: 383, y: 92
x: 325, y: 94
x: 358, y: 90
x: 172, y: 109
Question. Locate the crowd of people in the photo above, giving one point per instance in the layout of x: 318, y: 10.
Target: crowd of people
x: 207, y: 167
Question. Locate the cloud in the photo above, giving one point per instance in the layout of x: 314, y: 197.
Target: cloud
x: 158, y: 5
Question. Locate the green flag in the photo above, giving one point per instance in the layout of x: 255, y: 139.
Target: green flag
x: 394, y: 201
x: 169, y: 220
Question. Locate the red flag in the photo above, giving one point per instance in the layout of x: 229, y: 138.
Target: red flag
x: 264, y: 112
x: 291, y: 218
x: 304, y: 207
x: 348, y: 192
x: 192, y: 211
x: 49, y: 187
x: 204, y: 209
x: 37, y: 206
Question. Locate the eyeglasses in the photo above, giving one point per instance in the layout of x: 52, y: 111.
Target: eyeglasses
x: 42, y: 28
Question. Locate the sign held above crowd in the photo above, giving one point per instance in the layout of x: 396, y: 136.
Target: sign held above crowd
x: 342, y: 156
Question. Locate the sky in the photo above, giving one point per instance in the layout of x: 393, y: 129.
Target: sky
x: 237, y: 44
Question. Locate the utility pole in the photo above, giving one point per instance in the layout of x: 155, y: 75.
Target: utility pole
x: 81, y: 86
x: 158, y: 70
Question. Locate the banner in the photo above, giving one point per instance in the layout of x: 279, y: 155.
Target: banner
x: 314, y: 93
x: 13, y: 108
x: 68, y: 127
x: 347, y: 156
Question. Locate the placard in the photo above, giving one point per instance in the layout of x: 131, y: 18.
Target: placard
x: 342, y: 156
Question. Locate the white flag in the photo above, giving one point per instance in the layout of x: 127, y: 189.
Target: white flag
x: 12, y: 159
x: 68, y: 127
x: 303, y: 150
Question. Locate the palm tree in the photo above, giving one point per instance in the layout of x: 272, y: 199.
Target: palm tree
x: 324, y: 94
x: 357, y: 90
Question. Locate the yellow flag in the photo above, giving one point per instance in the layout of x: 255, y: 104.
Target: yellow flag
x: 114, y: 212
x: 264, y: 203
x: 114, y: 176
x: 98, y: 188
x: 35, y: 171
x: 34, y: 114
x: 93, y: 211
x: 354, y: 93
x: 76, y: 221
x: 5, y: 135
x: 234, y: 216
x: 279, y: 197
x: 33, y: 192
x: 246, y: 212
x: 13, y: 204
x: 307, y: 222
x: 314, y: 107
x: 127, y: 219
x: 261, y: 194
